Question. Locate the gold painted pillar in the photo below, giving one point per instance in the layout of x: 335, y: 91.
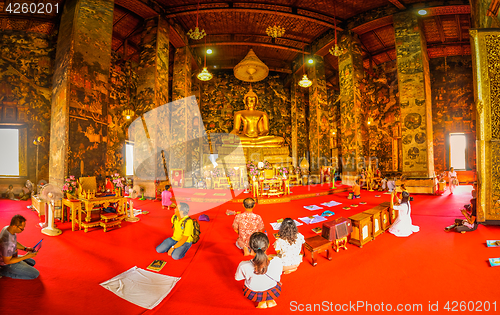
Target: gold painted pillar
x: 485, y: 44
x: 78, y: 131
x: 186, y: 145
x: 353, y: 130
x: 414, y: 96
x: 152, y: 104
x: 319, y: 127
x: 300, y: 133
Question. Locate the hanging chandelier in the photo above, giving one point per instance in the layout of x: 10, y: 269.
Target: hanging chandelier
x: 196, y: 34
x: 305, y: 82
x: 276, y: 30
x: 128, y: 113
x: 335, y: 50
x: 204, y: 75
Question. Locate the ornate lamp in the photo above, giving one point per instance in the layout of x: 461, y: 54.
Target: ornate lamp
x: 275, y: 31
x: 197, y: 34
x: 251, y: 68
x: 335, y: 50
x: 305, y: 82
x: 128, y: 113
x: 204, y: 75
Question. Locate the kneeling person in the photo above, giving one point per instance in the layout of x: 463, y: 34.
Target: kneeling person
x: 182, y: 238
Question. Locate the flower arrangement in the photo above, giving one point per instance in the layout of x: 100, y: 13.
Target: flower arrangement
x: 117, y: 180
x: 283, y: 171
x: 216, y: 173
x: 267, y: 165
x: 252, y: 169
x: 69, y: 185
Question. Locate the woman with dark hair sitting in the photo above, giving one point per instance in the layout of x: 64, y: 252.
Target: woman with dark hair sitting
x: 289, y: 245
x: 261, y: 275
x: 403, y: 226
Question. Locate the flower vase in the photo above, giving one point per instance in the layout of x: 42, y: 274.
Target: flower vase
x: 118, y: 192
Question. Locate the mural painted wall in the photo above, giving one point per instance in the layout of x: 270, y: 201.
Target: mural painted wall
x: 122, y: 95
x: 453, y: 108
x: 380, y: 89
x: 25, y: 91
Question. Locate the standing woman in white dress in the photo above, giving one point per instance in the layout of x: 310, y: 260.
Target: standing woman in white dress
x: 452, y: 175
x: 403, y: 225
x: 289, y: 245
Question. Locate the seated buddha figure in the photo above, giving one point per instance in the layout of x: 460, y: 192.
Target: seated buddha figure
x: 252, y: 126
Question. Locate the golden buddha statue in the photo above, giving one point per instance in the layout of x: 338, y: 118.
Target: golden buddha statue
x: 254, y: 125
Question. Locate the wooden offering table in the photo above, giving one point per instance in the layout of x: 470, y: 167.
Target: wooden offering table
x: 102, y: 203
x: 74, y: 206
x: 38, y: 204
x: 393, y: 214
x: 361, y: 229
x: 316, y: 245
x: 385, y: 221
x: 375, y: 215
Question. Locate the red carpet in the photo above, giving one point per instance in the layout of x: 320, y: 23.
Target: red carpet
x: 431, y: 266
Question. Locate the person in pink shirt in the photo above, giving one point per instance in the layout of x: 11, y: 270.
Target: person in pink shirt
x: 245, y: 224
x: 165, y: 197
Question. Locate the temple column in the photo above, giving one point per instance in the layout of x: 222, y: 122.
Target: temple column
x: 150, y: 131
x: 415, y: 99
x: 79, y: 97
x: 353, y: 130
x: 319, y: 127
x: 186, y: 145
x: 485, y: 44
x: 300, y: 134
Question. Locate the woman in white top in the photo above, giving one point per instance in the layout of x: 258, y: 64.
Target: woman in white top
x: 452, y: 175
x: 261, y: 275
x: 403, y: 226
x: 289, y: 245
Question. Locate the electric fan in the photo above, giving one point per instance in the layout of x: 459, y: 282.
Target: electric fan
x: 131, y: 217
x: 142, y: 193
x: 50, y: 193
x: 134, y: 192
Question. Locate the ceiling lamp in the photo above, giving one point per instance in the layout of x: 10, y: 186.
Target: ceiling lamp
x: 128, y: 113
x: 251, y: 68
x: 335, y: 50
x: 197, y: 34
x: 275, y: 31
x: 204, y: 75
x: 422, y: 12
x: 305, y: 82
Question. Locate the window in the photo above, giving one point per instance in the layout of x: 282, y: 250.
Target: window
x: 129, y: 159
x: 458, y: 145
x: 9, y: 159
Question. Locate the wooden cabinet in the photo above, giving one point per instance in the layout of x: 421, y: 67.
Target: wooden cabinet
x: 361, y: 229
x: 375, y: 217
x: 38, y: 204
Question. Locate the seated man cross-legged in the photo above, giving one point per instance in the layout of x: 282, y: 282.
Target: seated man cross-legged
x: 182, y: 239
x: 11, y: 264
x: 245, y: 224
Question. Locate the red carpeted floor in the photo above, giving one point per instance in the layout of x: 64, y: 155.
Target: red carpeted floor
x: 428, y: 267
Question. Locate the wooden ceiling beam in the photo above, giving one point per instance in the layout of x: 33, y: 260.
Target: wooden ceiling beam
x: 257, y: 44
x: 459, y: 27
x: 121, y: 18
x: 242, y: 10
x: 398, y: 4
x: 439, y: 25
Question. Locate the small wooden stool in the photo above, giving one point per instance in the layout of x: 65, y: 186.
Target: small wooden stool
x: 316, y: 245
x: 340, y: 243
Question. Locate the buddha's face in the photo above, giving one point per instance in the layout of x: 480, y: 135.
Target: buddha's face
x: 251, y: 102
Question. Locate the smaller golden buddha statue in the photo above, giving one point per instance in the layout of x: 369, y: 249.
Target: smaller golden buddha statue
x: 252, y: 126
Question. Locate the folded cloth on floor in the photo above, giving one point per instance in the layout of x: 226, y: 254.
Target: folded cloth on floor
x: 141, y: 287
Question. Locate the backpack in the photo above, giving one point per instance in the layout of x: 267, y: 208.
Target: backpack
x: 196, y: 229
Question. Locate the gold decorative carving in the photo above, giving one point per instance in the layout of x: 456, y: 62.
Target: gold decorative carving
x: 493, y: 56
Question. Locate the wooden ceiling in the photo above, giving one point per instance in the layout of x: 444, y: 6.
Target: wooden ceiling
x: 233, y: 27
